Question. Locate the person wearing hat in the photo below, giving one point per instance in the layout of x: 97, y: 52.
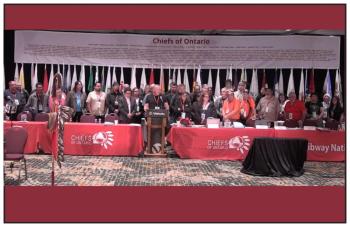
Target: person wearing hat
x: 326, y: 104
x: 113, y: 98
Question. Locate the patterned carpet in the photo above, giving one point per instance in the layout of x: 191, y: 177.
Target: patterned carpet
x: 134, y: 171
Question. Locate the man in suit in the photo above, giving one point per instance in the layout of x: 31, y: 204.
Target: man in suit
x: 127, y: 107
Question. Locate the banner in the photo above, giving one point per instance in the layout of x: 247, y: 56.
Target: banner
x: 214, y: 144
x: 99, y: 139
x: 152, y: 51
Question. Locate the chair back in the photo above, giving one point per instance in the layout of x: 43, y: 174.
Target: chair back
x: 309, y: 122
x: 15, y: 138
x: 41, y: 117
x: 290, y: 123
x: 250, y: 123
x: 332, y: 124
x: 29, y: 116
x: 87, y: 118
x: 111, y: 117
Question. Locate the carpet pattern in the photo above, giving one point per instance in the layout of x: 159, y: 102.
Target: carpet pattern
x: 134, y: 171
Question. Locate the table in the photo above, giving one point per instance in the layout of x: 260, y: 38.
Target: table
x: 100, y: 139
x: 214, y: 144
x: 38, y: 135
x: 276, y: 157
x: 233, y: 144
x: 323, y: 145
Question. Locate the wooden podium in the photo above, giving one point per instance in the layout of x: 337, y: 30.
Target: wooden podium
x: 156, y: 123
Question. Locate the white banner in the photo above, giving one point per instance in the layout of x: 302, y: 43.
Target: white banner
x: 126, y: 50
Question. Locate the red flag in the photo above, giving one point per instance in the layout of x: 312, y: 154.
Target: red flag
x: 312, y: 82
x: 151, y: 79
x: 46, y: 81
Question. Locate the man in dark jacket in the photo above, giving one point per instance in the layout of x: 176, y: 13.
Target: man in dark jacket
x: 113, y: 98
x: 127, y: 107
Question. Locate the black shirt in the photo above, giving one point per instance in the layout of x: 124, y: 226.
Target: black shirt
x: 313, y: 107
x: 155, y: 102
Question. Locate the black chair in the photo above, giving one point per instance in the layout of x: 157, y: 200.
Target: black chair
x: 290, y: 123
x: 111, y: 117
x: 41, y: 117
x: 87, y: 118
x: 29, y: 116
x: 332, y: 124
x: 15, y: 140
x: 250, y: 123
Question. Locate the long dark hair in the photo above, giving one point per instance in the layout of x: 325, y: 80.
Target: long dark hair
x: 338, y: 105
x: 56, y: 85
x: 76, y: 84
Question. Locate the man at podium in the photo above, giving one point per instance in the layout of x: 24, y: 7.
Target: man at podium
x: 156, y: 101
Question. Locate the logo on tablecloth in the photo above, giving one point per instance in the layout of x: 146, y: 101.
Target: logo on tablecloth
x: 105, y: 139
x: 240, y: 143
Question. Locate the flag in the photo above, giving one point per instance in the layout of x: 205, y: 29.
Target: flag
x: 199, y: 80
x: 58, y: 68
x: 301, y: 86
x: 91, y: 80
x: 275, y: 84
x: 103, y: 85
x: 235, y: 80
x: 243, y: 75
x: 161, y: 79
x: 69, y: 79
x: 194, y: 78
x: 108, y: 82
x: 306, y: 87
x: 264, y: 82
x: 170, y: 80
x: 121, y: 75
x: 217, y: 84
x: 210, y: 79
x: 254, y: 85
x: 15, y: 76
x: 74, y: 78
x: 186, y: 82
x: 178, y: 81
x: 34, y: 75
x: 229, y: 74
x: 280, y: 83
x: 174, y: 75
x: 82, y: 76
x: 338, y: 87
x: 312, y: 82
x: 133, y: 77
x: 143, y: 82
x: 50, y: 81
x: 291, y: 83
x: 114, y: 78
x: 96, y: 75
x: 21, y: 77
x: 151, y: 78
x: 45, y: 81
x: 327, y: 85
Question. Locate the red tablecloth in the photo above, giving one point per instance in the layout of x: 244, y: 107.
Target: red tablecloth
x: 233, y: 144
x: 214, y: 144
x: 99, y: 139
x: 38, y: 135
x: 323, y: 145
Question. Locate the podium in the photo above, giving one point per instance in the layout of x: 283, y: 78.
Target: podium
x: 156, y: 123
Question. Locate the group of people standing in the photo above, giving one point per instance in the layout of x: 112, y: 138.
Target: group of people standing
x: 130, y: 105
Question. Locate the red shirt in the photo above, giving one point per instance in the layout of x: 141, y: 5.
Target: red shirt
x: 297, y: 109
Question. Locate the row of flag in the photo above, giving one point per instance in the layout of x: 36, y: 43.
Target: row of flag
x: 307, y: 83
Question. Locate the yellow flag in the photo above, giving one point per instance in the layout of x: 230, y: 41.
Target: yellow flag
x: 21, y: 77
